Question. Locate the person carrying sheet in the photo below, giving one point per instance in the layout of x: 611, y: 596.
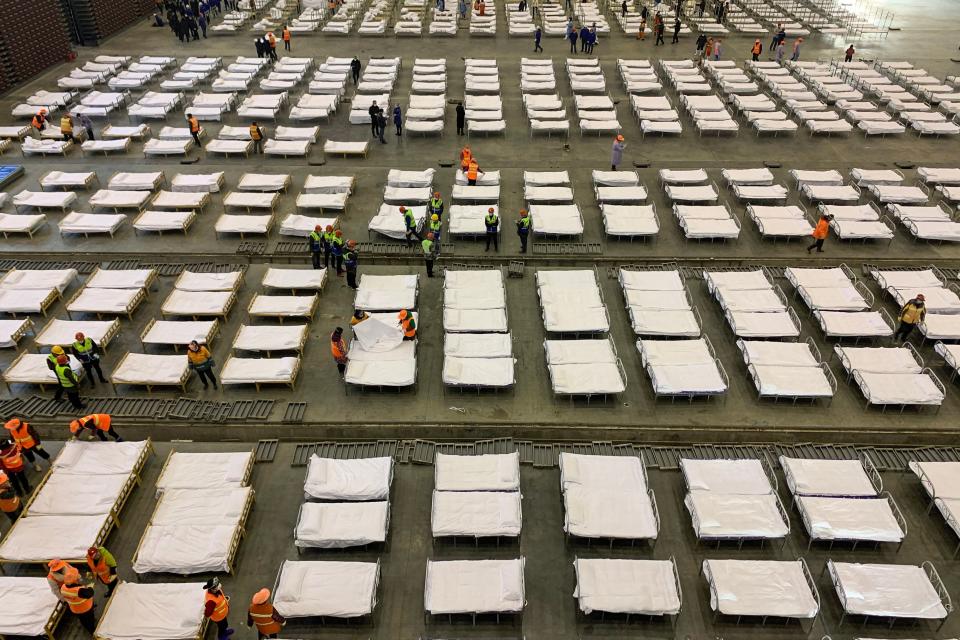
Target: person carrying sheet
x: 88, y: 353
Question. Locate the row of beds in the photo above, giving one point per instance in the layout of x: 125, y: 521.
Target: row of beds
x: 161, y: 206
x: 204, y: 298
x: 681, y: 362
x: 347, y: 504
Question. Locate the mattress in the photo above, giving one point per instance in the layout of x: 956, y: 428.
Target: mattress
x: 71, y: 494
x: 476, y: 513
x: 222, y: 470
x: 760, y: 588
x: 723, y: 515
x: 334, y: 589
x: 27, y: 604
x: 899, y: 388
x: 153, y: 612
x: 259, y: 370
x: 597, y: 511
x: 150, y: 369
x: 97, y: 300
x: 474, y: 586
x: 178, y: 332
x: 354, y: 479
x: 788, y: 381
x: 829, y: 518
x: 645, y: 587
x: 337, y: 525
x: 197, y: 303
x: 888, y: 590
x: 40, y: 538
x: 492, y: 472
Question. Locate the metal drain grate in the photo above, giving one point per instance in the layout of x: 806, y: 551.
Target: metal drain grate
x: 295, y: 412
x: 423, y: 452
x: 252, y: 248
x: 287, y: 248
x: 266, y: 450
x: 567, y: 248
x: 302, y: 454
x: 516, y: 268
x: 261, y: 409
x: 344, y: 450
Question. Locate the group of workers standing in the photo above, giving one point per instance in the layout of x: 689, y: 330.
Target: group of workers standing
x: 328, y: 248
x: 87, y: 352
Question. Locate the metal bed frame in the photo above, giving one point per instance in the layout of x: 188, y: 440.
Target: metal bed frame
x: 831, y: 380
x: 139, y: 297
x: 844, y: 361
x: 865, y: 390
x: 204, y: 622
x: 894, y: 510
x: 586, y: 618
x: 747, y: 538
x: 758, y: 221
x: 436, y: 538
x: 367, y: 618
x: 811, y: 583
x: 644, y: 237
x: 515, y: 616
x: 191, y: 218
x: 911, y: 226
x: 290, y: 383
x: 932, y: 575
x: 691, y: 395
x: 611, y: 539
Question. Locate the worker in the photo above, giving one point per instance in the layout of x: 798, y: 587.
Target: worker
x: 491, y: 223
x: 848, y: 54
x: 11, y: 461
x: 336, y: 250
x: 286, y: 38
x: 9, y: 500
x: 756, y: 49
x: 465, y: 156
x: 200, y: 360
x: 616, y: 152
x: 66, y: 127
x: 39, y: 122
x: 359, y: 315
x: 194, y: 125
x: 912, y: 314
x: 338, y: 348
x: 88, y: 353
x: 23, y: 433
x: 262, y: 614
x: 55, y: 352
x: 409, y: 225
x: 79, y: 597
x: 216, y: 606
x: 69, y: 383
x: 272, y: 40
x: 355, y: 67
x: 461, y: 120
x: 104, y: 567
x: 436, y: 205
x: 407, y: 324
x: 523, y: 229
x: 820, y: 232
x: 315, y: 243
x: 473, y: 172
x: 328, y: 235
x: 99, y: 423
x: 256, y: 134
x: 429, y: 253
x: 434, y: 227
x: 351, y: 260
x: 58, y: 570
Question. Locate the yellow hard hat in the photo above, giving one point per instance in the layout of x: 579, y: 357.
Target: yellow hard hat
x: 57, y: 350
x: 434, y: 217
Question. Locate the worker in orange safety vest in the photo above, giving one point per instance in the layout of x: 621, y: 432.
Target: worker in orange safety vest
x: 26, y: 436
x: 11, y: 461
x: 820, y: 233
x: 9, y: 500
x: 407, y: 324
x: 216, y: 606
x: 104, y: 566
x: 79, y: 597
x: 99, y: 423
x: 262, y: 614
x: 57, y: 574
x: 465, y: 156
x: 338, y: 349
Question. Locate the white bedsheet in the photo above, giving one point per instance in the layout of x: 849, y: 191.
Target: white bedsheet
x: 38, y: 279
x: 44, y: 537
x: 849, y: 519
x: 197, y: 303
x: 153, y: 612
x: 178, y: 332
x: 94, y: 458
x: 492, y: 472
x: 336, y: 525
x: 596, y: 511
x: 192, y: 281
x: 743, y: 477
x: 476, y: 513
x: 205, y: 470
x: 759, y: 587
x: 270, y: 338
x: 294, y: 279
x: 645, y: 587
x: 474, y: 586
x: 888, y: 590
x: 334, y: 589
x: 91, y: 300
x: 259, y: 370
x: 356, y: 479
x: 841, y: 478
x: 67, y: 494
x: 899, y: 388
x: 939, y: 479
x: 185, y: 549
x: 723, y: 515
x: 26, y: 605
x: 787, y: 381
x: 152, y: 369
x: 386, y: 293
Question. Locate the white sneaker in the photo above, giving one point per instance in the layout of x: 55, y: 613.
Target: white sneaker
x: 37, y: 468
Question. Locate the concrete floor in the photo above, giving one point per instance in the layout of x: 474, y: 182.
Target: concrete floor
x: 551, y: 611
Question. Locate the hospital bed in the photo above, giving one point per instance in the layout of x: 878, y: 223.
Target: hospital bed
x: 12, y: 331
x: 29, y: 608
x: 268, y: 339
x: 326, y: 589
x: 101, y: 302
x: 339, y: 525
x: 161, y: 221
x: 474, y: 587
x: 890, y: 591
x: 683, y: 368
x: 761, y: 588
x: 196, y: 304
x: 151, y: 371
x: 156, y: 611
x: 59, y: 332
x: 68, y: 181
x: 41, y: 200
x: 629, y: 587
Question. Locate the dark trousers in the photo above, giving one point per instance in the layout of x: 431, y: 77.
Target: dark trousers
x: 286, y: 45
x: 659, y: 39
x: 222, y: 627
x: 536, y: 46
x: 113, y: 434
x: 523, y: 242
x: 756, y: 56
x: 903, y: 331
x: 111, y: 586
x: 847, y: 58
x: 460, y: 127
x: 196, y: 138
x: 374, y: 128
x: 258, y: 146
x: 413, y: 232
x: 19, y: 481
x: 40, y: 451
x: 342, y: 367
x: 429, y: 263
x: 338, y: 261
x: 352, y: 277
x: 315, y: 259
x: 356, y: 76
x: 87, y: 620
x: 492, y: 236
x: 89, y: 367
x: 91, y: 136
x: 399, y: 128
x: 573, y: 46
x: 676, y: 37
x: 327, y: 256
x: 583, y: 45
x: 204, y: 375
x: 817, y: 244
x: 73, y: 395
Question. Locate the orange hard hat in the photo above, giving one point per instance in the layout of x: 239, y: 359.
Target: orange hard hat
x: 338, y: 233
x: 43, y: 111
x: 351, y: 243
x: 56, y: 564
x: 403, y: 209
x: 317, y: 228
x: 12, y: 423
x: 79, y: 335
x: 74, y: 426
x: 62, y: 359
x: 3, y: 477
x: 490, y: 210
x: 92, y: 551
x: 72, y: 576
x: 436, y: 194
x: 261, y: 596
x: 403, y: 313
x: 920, y: 296
x: 620, y: 138
x: 523, y: 212
x: 329, y: 227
